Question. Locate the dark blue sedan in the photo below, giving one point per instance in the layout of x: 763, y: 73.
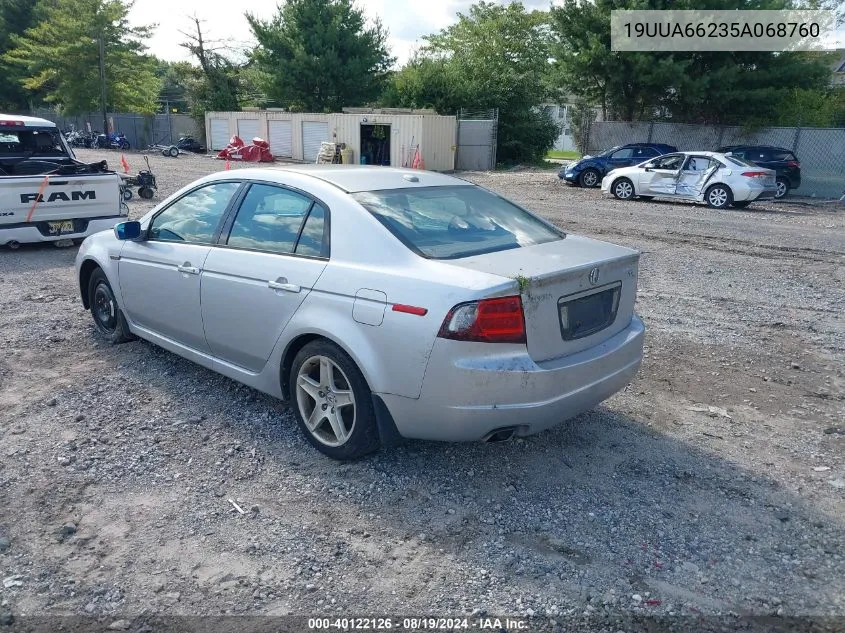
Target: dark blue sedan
x: 589, y: 171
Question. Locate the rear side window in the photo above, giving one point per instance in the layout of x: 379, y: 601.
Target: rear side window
x: 454, y: 222
x: 270, y: 219
x: 783, y: 156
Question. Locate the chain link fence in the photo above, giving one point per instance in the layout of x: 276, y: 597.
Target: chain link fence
x: 821, y: 151
x: 141, y: 130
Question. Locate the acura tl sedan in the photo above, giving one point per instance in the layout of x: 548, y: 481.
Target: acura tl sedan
x: 720, y: 180
x: 381, y: 303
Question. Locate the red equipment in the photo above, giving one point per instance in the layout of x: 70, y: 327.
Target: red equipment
x: 258, y: 152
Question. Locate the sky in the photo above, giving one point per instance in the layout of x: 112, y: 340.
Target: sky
x: 406, y: 20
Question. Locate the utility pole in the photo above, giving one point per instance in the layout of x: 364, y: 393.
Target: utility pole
x: 102, y: 44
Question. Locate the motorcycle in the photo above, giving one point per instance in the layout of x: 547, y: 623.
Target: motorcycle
x: 112, y: 141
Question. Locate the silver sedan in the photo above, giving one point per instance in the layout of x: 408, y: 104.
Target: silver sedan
x: 720, y: 180
x: 382, y: 303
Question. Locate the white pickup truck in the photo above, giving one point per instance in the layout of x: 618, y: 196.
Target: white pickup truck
x: 46, y: 194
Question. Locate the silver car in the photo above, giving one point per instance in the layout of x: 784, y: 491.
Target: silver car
x: 720, y: 180
x: 382, y: 303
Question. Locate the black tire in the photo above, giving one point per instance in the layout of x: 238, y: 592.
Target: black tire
x: 741, y: 205
x: 358, y: 426
x: 589, y: 178
x: 173, y: 152
x: 124, y: 145
x: 622, y: 189
x: 146, y: 193
x: 108, y: 317
x: 646, y: 198
x: 783, y: 188
x: 719, y: 196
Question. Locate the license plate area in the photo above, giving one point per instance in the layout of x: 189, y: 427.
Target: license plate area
x: 61, y: 227
x: 588, y: 312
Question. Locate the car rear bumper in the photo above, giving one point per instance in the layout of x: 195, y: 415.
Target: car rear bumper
x: 31, y: 232
x: 465, y: 398
x: 753, y: 191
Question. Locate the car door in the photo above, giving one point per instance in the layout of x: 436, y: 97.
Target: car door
x: 660, y: 175
x: 620, y: 158
x: 274, y: 247
x: 160, y: 275
x: 694, y: 175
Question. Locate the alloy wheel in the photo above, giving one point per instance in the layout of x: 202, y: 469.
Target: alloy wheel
x: 590, y: 178
x: 623, y: 189
x: 781, y: 189
x: 326, y: 401
x: 718, y: 197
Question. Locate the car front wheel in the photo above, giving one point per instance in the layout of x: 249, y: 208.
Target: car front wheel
x: 718, y: 197
x: 623, y: 189
x: 108, y: 317
x: 332, y: 402
x: 782, y: 188
x: 589, y: 178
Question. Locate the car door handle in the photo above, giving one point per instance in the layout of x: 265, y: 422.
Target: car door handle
x: 188, y: 269
x: 282, y: 284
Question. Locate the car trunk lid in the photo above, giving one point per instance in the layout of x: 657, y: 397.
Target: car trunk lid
x: 576, y: 292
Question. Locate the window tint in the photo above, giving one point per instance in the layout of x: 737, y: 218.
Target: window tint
x: 670, y: 161
x: 452, y: 222
x: 627, y: 152
x: 194, y: 217
x: 269, y: 219
x: 313, y: 240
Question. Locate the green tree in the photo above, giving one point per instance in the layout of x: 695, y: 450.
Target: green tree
x: 59, y: 57
x: 695, y: 87
x: 495, y: 56
x: 16, y: 16
x: 320, y: 55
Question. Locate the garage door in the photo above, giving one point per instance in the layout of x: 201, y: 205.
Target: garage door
x: 313, y: 133
x: 219, y: 133
x: 247, y: 129
x: 281, y: 138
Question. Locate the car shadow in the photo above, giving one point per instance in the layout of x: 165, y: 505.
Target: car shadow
x: 603, y: 510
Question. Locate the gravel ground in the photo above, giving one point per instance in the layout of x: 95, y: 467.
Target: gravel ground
x: 713, y: 484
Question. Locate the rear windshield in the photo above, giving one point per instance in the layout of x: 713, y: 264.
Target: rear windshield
x: 453, y: 222
x: 736, y: 160
x: 46, y: 142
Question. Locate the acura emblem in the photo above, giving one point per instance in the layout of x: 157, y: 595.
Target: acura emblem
x: 594, y: 276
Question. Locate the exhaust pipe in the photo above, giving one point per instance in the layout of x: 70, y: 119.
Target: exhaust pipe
x: 500, y: 435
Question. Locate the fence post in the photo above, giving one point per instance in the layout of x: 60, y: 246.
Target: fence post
x: 795, y: 140
x: 721, y: 136
x: 650, y: 130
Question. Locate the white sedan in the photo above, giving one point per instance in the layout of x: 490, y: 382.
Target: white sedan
x: 382, y: 303
x: 720, y: 180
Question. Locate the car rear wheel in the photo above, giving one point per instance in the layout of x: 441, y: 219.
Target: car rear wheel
x: 782, y: 188
x: 623, y: 189
x: 589, y: 178
x: 332, y: 402
x: 108, y: 317
x: 718, y: 197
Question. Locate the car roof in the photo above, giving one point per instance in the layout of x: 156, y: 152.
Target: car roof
x: 28, y: 121
x: 774, y: 147
x: 357, y: 178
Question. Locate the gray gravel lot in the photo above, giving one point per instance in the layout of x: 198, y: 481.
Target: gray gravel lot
x: 714, y: 484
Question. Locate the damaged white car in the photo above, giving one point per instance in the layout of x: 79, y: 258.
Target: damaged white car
x: 720, y: 180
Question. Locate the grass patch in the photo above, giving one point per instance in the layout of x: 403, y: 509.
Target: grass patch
x: 568, y: 155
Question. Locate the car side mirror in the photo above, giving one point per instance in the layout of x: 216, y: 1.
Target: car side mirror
x: 128, y: 231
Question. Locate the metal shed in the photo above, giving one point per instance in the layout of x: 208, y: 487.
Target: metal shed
x: 375, y: 136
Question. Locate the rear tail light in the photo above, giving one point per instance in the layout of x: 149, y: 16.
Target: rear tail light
x: 11, y: 123
x: 793, y: 163
x: 756, y: 174
x: 499, y: 320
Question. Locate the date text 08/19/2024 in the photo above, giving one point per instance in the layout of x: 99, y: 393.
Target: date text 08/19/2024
x: 417, y: 624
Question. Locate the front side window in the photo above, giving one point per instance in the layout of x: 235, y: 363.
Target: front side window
x: 628, y: 152
x: 195, y: 217
x: 272, y: 219
x: 669, y: 161
x: 456, y: 221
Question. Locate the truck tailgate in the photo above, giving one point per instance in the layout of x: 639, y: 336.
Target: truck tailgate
x: 55, y: 197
